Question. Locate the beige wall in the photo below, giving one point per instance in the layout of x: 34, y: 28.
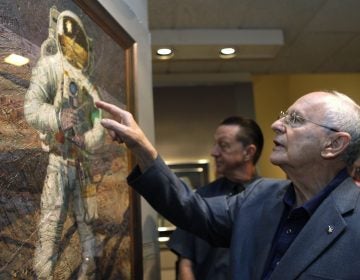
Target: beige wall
x: 273, y: 93
x: 270, y: 97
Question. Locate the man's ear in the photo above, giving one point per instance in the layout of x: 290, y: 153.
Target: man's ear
x: 336, y: 144
x: 250, y: 151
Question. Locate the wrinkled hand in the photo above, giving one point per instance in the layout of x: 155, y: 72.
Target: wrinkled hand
x: 68, y: 118
x: 124, y: 129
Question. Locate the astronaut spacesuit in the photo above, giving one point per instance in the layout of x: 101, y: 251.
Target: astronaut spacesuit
x: 59, y: 104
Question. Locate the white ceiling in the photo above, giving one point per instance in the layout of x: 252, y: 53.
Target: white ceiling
x: 319, y: 36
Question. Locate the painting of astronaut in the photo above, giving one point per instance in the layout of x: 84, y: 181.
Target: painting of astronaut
x: 65, y: 208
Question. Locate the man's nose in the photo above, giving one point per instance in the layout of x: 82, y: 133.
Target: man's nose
x: 215, y: 150
x: 279, y: 126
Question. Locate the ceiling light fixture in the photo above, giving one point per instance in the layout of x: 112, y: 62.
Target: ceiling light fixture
x: 164, y: 53
x: 163, y: 239
x: 227, y: 53
x: 204, y: 44
x: 16, y: 60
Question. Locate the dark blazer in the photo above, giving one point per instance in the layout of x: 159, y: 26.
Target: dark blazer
x: 328, y: 247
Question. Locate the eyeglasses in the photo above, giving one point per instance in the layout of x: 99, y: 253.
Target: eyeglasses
x: 295, y: 120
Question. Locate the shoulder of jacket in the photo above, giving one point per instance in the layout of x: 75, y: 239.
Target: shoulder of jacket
x: 264, y: 184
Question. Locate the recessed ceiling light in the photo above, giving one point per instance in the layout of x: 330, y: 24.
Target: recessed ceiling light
x: 227, y: 53
x: 16, y: 60
x: 164, y: 53
x: 163, y: 239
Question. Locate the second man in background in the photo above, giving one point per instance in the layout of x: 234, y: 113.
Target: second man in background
x: 237, y: 148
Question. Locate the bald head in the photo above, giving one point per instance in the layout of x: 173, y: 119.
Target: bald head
x: 341, y: 112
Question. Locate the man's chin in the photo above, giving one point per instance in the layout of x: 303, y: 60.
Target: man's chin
x: 219, y: 170
x: 275, y: 160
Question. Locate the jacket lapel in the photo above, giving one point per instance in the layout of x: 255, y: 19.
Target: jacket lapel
x: 265, y: 235
x: 325, y: 225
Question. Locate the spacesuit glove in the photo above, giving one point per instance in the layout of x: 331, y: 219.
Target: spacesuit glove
x: 68, y: 118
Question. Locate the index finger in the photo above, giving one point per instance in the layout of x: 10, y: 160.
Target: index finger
x: 110, y: 108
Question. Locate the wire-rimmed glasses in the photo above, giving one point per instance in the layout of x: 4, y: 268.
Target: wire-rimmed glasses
x: 294, y: 120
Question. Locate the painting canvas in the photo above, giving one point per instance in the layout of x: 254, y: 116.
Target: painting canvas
x: 65, y: 209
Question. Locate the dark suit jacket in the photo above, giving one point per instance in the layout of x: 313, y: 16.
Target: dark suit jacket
x: 328, y: 247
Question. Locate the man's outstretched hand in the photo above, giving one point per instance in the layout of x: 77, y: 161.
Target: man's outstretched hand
x: 123, y: 128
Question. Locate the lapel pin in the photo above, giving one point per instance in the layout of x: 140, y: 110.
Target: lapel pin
x: 330, y: 229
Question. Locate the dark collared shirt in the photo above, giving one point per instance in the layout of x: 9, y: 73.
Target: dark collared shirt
x: 294, y: 219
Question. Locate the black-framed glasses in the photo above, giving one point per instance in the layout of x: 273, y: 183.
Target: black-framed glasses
x: 294, y: 120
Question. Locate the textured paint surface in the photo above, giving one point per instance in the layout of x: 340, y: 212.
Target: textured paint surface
x: 23, y: 27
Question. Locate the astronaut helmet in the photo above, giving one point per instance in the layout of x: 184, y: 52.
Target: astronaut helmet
x: 72, y: 40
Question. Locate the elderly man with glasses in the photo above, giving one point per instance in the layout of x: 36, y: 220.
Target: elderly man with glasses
x: 307, y: 227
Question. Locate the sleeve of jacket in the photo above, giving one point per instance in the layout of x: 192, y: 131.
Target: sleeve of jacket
x: 208, y: 218
x: 182, y: 243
